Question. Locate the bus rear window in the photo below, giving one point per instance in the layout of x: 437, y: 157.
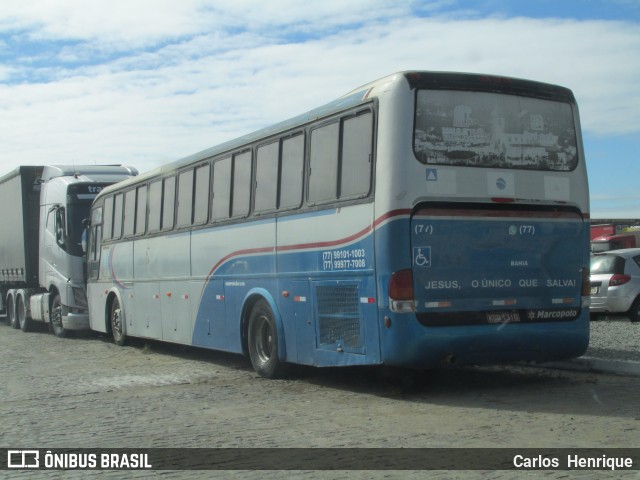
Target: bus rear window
x: 482, y: 129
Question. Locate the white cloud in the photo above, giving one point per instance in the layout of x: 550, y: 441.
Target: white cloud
x: 134, y: 23
x: 218, y: 69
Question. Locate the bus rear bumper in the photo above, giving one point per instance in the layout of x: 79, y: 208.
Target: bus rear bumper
x: 408, y: 343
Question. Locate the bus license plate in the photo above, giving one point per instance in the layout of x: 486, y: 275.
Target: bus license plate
x: 502, y: 317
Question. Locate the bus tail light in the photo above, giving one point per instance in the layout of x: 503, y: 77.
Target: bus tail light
x: 401, y: 291
x: 586, y: 282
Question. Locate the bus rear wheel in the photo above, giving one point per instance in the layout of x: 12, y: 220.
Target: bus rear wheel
x: 117, y: 327
x: 263, y: 342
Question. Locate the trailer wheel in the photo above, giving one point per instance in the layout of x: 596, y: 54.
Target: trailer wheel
x: 11, y: 313
x: 117, y: 328
x: 26, y: 324
x: 263, y: 342
x: 56, y: 318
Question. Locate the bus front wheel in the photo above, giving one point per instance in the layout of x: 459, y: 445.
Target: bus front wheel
x: 263, y: 341
x: 117, y: 327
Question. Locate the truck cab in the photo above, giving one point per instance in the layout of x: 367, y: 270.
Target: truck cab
x: 67, y: 193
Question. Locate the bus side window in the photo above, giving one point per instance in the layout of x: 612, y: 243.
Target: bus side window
x: 141, y: 210
x: 117, y: 216
x: 357, y: 137
x: 267, y: 177
x: 129, y: 213
x: 221, y: 189
x: 95, y: 241
x: 241, y: 184
x: 185, y: 198
x: 108, y: 218
x: 323, y: 163
x: 201, y: 194
x: 168, y: 203
x: 155, y: 206
x: 292, y: 171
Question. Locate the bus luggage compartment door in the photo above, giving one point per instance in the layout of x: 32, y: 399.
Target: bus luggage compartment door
x: 483, y: 265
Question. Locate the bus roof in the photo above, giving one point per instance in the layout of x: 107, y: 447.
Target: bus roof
x: 415, y: 79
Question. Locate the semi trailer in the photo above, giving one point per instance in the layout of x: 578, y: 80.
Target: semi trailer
x: 42, y: 215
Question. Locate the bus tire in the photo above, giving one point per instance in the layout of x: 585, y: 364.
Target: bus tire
x: 26, y: 324
x: 117, y: 326
x: 56, y: 318
x: 263, y: 342
x: 634, y: 311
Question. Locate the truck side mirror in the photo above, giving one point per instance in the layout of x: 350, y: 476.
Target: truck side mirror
x: 60, y: 227
x: 60, y: 236
x: 85, y: 236
x: 84, y: 242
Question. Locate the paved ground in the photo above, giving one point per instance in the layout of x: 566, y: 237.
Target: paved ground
x: 87, y: 392
x: 614, y: 347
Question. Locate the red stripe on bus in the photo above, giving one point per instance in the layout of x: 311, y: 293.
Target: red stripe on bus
x: 312, y: 245
x: 443, y: 212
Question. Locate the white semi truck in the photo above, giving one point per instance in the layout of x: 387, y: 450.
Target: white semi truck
x: 42, y: 210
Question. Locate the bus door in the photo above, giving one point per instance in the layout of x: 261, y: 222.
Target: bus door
x: 480, y: 265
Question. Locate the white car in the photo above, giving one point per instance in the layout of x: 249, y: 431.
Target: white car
x: 615, y: 282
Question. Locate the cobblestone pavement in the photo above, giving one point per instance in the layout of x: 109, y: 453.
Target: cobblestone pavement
x: 87, y: 392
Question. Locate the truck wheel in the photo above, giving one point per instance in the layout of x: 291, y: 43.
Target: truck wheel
x: 11, y: 314
x: 56, y: 318
x: 117, y: 328
x: 26, y: 324
x: 263, y: 342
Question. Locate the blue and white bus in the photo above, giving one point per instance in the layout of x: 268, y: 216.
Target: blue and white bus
x: 422, y: 218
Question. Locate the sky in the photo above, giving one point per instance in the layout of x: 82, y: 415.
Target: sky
x: 146, y: 82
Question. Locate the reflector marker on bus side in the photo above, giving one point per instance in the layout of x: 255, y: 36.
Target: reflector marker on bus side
x: 502, y: 303
x: 562, y: 301
x: 299, y: 299
x: 367, y: 300
x: 220, y: 297
x: 438, y: 304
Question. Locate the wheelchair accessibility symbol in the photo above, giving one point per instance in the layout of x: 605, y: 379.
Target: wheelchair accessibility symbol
x: 422, y: 256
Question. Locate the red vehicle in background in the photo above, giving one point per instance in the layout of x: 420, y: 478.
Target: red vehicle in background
x: 614, y: 237
x: 607, y: 229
